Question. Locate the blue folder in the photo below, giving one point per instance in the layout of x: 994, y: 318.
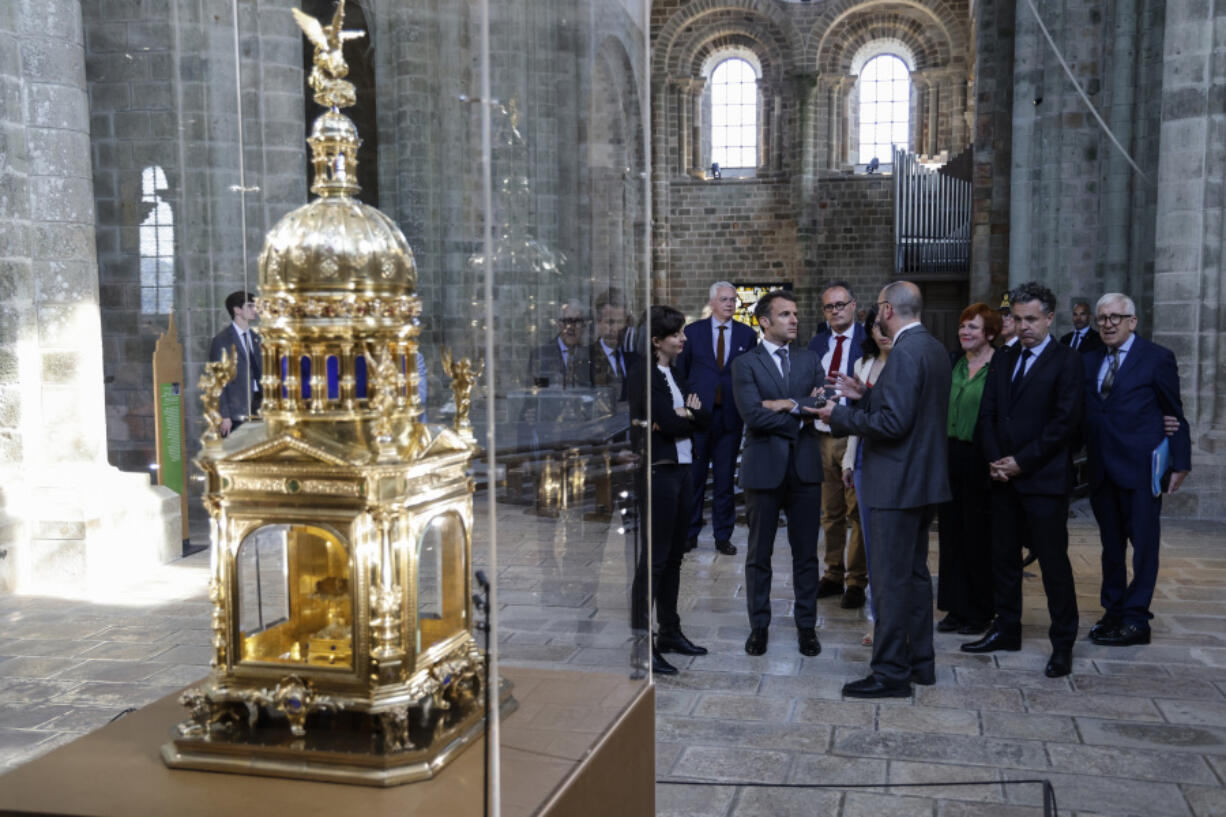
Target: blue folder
x: 1160, y: 461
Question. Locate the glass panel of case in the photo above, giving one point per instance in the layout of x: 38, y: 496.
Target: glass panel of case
x: 294, y: 597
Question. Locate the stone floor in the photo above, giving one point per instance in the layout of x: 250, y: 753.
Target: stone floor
x: 1134, y: 731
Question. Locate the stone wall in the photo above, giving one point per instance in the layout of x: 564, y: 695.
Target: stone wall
x: 1081, y: 219
x: 62, y: 510
x: 855, y: 233
x: 739, y: 230
x: 1189, y: 311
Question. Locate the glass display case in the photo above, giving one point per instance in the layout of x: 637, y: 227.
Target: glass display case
x: 368, y: 501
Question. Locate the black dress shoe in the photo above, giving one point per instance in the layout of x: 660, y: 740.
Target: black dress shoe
x: 1104, y: 626
x: 853, y: 599
x: 659, y: 666
x: 949, y: 624
x: 923, y: 679
x: 1124, y: 636
x: 973, y: 627
x: 829, y: 587
x: 725, y: 547
x: 807, y: 638
x: 993, y: 641
x: 874, y: 687
x: 691, y: 544
x: 1060, y: 665
x: 675, y: 641
x: 756, y: 643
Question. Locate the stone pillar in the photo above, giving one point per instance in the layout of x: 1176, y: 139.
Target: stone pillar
x: 993, y: 139
x: 1188, y: 308
x: 67, y: 519
x: 700, y: 137
x: 679, y: 96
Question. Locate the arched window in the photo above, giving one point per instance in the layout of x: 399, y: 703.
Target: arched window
x: 734, y: 114
x: 885, y: 103
x: 157, y: 245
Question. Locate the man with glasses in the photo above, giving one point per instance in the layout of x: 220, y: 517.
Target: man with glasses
x: 564, y: 362
x: 838, y: 347
x: 1132, y: 386
x: 1029, y: 419
x: 1083, y: 338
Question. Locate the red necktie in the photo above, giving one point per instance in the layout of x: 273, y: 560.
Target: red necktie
x: 836, y: 360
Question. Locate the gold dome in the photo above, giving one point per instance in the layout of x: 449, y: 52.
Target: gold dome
x: 337, y: 245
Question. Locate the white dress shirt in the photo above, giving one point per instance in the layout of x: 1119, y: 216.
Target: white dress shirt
x: 244, y: 337
x: 1034, y: 355
x: 685, y: 448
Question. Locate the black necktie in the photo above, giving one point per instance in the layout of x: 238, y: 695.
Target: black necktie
x: 1076, y: 340
x: 1021, y: 373
x: 617, y: 363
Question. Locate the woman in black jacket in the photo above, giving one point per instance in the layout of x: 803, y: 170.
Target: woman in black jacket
x: 676, y: 413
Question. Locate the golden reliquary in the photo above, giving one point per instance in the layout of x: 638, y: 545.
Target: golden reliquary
x: 340, y: 523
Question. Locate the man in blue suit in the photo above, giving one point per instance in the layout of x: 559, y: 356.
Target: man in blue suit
x: 837, y: 346
x: 711, y: 345
x: 1130, y: 385
x: 240, y: 399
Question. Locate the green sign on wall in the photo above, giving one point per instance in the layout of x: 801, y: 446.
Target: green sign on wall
x: 170, y: 402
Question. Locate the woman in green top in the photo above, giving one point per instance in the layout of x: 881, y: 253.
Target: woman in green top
x: 964, y: 586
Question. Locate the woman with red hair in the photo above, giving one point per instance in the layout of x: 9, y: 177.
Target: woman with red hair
x: 964, y: 586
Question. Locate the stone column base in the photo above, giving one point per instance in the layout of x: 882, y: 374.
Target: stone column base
x: 75, y: 531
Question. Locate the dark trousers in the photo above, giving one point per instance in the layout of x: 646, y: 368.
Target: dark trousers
x: 902, y: 592
x: 964, y: 583
x: 1046, y: 517
x: 802, y: 501
x: 670, y: 491
x: 717, y: 450
x: 1125, y: 516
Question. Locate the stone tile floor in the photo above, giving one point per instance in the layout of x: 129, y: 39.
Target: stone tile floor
x: 1134, y: 731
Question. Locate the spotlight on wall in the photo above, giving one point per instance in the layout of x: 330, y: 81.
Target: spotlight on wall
x: 874, y: 165
x: 715, y: 170
x: 1038, y: 100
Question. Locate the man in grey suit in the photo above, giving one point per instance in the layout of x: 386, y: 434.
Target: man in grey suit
x: 775, y: 386
x: 901, y: 424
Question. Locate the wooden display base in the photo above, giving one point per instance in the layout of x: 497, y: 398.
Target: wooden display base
x: 580, y: 743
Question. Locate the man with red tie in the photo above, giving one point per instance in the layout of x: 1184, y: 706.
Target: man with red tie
x: 838, y: 347
x: 711, y: 344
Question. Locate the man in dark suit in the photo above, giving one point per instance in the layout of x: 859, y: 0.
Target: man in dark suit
x: 240, y: 399
x: 1132, y: 385
x: 1082, y: 339
x: 564, y: 362
x: 610, y: 361
x: 1029, y: 420
x: 774, y: 385
x: 901, y: 424
x: 837, y: 346
x: 711, y: 345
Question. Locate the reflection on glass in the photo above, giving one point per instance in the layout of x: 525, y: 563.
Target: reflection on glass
x: 294, y: 597
x: 442, y: 606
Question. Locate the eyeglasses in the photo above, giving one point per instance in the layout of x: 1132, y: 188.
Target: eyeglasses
x: 572, y: 321
x: 1113, y: 319
x: 837, y: 306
